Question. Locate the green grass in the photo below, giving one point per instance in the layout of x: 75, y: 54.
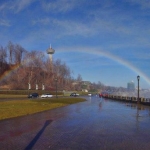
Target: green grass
x: 16, y: 108
x: 2, y: 96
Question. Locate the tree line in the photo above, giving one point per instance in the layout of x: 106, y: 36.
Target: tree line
x: 19, y: 68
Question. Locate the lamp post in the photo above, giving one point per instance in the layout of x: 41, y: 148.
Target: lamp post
x: 138, y: 100
x: 56, y: 86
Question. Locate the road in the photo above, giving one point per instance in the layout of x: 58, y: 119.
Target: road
x: 95, y: 124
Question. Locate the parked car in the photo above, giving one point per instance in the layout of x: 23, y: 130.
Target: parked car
x: 46, y: 95
x: 89, y: 94
x: 33, y: 95
x: 74, y: 94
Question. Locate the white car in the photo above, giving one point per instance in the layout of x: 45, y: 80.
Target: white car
x: 46, y: 95
x: 89, y: 94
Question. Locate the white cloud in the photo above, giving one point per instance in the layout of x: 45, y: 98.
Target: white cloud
x: 4, y: 23
x: 65, y: 27
x: 43, y: 21
x: 3, y: 6
x: 144, y: 4
x: 73, y: 27
x: 59, y: 5
x: 22, y: 4
x: 15, y: 5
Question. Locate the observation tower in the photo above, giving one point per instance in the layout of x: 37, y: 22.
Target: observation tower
x: 50, y: 52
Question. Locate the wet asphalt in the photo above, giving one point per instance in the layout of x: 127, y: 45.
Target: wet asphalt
x: 97, y: 124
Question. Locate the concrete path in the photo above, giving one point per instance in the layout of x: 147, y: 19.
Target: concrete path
x: 96, y: 124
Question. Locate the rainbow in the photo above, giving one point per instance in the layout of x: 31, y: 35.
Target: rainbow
x: 119, y: 60
x: 92, y: 52
x: 8, y: 72
x: 13, y: 68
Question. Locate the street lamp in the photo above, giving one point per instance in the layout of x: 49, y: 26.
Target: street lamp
x: 56, y: 86
x: 138, y: 78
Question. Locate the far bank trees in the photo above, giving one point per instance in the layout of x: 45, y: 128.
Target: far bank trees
x: 19, y: 68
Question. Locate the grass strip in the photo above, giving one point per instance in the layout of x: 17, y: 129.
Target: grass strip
x: 16, y: 108
x: 2, y: 96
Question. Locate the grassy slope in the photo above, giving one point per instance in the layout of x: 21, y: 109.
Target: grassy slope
x: 15, y: 108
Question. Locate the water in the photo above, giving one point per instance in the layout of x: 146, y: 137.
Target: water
x: 95, y: 124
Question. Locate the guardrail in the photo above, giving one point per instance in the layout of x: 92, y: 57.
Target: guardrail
x: 145, y: 101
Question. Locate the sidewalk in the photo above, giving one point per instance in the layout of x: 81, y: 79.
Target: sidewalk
x: 94, y: 124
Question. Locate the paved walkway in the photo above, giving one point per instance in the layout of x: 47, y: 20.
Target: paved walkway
x: 96, y: 124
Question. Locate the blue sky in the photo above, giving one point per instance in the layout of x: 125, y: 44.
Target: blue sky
x: 106, y: 41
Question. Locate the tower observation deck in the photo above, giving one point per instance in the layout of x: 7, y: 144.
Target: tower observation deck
x: 50, y: 52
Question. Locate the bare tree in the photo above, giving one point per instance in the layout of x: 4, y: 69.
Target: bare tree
x: 3, y: 56
x: 33, y: 67
x: 18, y: 53
x: 10, y: 52
x: 33, y: 64
x: 79, y: 78
x: 63, y: 73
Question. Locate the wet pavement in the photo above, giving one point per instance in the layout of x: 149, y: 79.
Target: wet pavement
x: 97, y: 124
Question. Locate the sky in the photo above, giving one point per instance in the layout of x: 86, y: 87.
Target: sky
x: 106, y: 41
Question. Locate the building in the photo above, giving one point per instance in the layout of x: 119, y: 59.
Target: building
x: 131, y: 86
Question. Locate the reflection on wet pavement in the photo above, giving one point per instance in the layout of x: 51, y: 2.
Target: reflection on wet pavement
x: 95, y: 124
